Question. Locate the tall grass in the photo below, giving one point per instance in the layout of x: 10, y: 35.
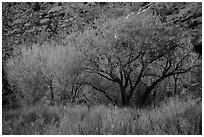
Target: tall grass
x: 173, y: 117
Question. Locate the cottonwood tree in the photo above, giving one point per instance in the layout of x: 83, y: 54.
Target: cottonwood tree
x: 46, y: 74
x: 127, y: 51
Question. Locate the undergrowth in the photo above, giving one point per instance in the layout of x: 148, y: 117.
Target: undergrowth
x: 173, y: 117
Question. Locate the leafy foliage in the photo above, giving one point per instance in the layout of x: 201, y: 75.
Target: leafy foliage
x: 127, y: 51
x: 45, y: 73
x: 58, y: 55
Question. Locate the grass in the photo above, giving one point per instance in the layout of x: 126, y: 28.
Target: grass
x: 173, y: 117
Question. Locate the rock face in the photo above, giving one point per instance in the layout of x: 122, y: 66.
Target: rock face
x: 15, y: 15
x: 187, y: 15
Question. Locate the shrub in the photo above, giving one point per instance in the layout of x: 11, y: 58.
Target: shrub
x: 173, y: 117
x: 43, y: 73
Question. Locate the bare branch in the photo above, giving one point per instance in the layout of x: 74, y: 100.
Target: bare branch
x: 75, y: 90
x: 150, y: 74
x: 144, y: 83
x: 100, y: 74
x: 99, y: 71
x: 181, y: 71
x: 102, y: 91
x: 167, y: 67
x: 87, y: 99
x: 130, y: 61
x: 179, y: 64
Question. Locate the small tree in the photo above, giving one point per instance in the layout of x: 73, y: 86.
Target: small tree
x: 46, y: 74
x: 127, y: 51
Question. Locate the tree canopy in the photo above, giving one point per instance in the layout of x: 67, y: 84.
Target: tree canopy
x: 121, y: 50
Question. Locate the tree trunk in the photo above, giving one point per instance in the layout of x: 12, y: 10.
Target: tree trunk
x: 146, y: 95
x: 175, y: 83
x: 52, y: 94
x: 125, y: 98
x: 150, y: 88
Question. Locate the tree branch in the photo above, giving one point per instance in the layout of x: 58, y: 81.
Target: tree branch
x: 100, y: 90
x: 98, y: 73
x: 130, y: 61
x: 144, y: 83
